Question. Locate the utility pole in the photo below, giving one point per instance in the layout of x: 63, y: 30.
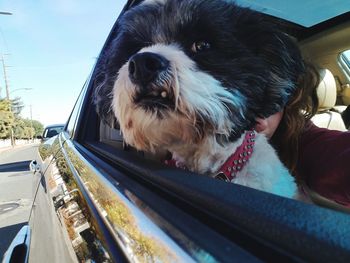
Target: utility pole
x: 6, y: 84
x: 31, y: 123
x: 3, y: 63
x: 5, y: 77
x: 8, y: 97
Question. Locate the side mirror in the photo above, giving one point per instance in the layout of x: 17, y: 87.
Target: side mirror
x: 39, y: 137
x: 34, y: 166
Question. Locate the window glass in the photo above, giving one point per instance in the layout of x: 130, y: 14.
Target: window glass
x: 297, y: 13
x: 52, y: 131
x: 347, y: 54
x: 344, y: 60
x: 346, y: 57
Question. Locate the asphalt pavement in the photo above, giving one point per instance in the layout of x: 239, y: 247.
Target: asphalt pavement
x: 17, y: 186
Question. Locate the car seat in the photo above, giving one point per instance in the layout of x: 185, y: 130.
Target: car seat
x: 327, y: 116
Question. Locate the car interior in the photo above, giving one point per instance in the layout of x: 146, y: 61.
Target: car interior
x: 326, y: 50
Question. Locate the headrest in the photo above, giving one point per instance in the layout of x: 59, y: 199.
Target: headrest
x: 326, y: 90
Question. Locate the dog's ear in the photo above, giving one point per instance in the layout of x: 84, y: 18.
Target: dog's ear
x: 110, y: 61
x: 105, y: 75
x: 267, y: 40
x: 102, y: 98
x: 277, y: 51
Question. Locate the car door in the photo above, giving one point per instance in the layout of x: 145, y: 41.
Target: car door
x: 50, y: 232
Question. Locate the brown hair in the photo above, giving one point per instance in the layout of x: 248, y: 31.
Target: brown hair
x: 300, y: 108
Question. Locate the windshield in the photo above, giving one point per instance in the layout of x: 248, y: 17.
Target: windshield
x: 52, y: 131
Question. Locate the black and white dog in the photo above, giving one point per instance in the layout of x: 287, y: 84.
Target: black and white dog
x: 191, y: 77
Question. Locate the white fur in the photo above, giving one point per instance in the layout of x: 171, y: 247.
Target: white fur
x: 265, y: 171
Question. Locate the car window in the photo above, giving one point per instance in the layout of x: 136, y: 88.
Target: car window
x: 347, y: 55
x: 345, y: 62
x: 52, y: 131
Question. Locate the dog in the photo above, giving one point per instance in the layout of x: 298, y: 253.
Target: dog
x: 191, y: 77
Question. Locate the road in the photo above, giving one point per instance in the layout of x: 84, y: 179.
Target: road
x: 17, y: 186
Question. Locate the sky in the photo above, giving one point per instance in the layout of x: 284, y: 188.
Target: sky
x: 49, y: 48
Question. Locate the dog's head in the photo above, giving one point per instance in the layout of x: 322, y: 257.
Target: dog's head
x: 186, y: 70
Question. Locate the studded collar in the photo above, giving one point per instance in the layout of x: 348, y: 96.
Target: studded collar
x: 234, y: 163
x: 238, y: 159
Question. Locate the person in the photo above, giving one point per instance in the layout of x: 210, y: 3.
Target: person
x: 318, y: 158
x: 346, y: 116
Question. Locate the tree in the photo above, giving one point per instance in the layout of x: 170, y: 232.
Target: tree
x: 22, y: 129
x: 6, y: 118
x: 38, y: 128
x: 17, y: 106
x: 10, y: 118
x: 27, y: 129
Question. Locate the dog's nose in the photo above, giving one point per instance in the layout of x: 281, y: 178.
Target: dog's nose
x: 145, y: 67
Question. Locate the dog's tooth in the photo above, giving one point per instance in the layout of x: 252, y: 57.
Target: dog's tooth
x: 164, y: 94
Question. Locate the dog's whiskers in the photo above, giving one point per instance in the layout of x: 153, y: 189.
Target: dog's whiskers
x: 176, y: 87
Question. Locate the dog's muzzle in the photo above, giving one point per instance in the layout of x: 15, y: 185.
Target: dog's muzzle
x: 149, y: 72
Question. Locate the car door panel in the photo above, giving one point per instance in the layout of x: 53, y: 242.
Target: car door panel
x: 73, y: 219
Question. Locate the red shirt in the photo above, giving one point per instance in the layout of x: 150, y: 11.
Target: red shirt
x: 324, y: 163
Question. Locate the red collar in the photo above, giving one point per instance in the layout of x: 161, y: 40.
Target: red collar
x: 234, y: 163
x: 238, y: 159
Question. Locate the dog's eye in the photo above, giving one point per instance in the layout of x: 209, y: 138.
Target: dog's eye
x: 200, y: 46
